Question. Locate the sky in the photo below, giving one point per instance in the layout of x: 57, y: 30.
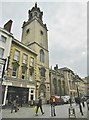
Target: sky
x: 67, y: 30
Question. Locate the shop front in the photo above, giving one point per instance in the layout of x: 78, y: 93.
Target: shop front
x: 21, y: 93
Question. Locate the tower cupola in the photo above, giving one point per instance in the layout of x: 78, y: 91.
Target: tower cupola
x: 35, y: 12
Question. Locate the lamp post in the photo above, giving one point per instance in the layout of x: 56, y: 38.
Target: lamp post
x: 79, y: 101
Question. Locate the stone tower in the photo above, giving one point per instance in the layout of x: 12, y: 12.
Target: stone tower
x: 34, y: 35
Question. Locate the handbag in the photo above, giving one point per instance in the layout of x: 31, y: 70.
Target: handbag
x: 35, y: 108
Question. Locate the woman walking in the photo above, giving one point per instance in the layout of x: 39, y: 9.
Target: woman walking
x: 39, y: 105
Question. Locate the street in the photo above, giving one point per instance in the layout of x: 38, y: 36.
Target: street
x: 28, y: 112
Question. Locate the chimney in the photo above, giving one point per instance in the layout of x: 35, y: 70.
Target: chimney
x: 56, y: 68
x: 8, y: 26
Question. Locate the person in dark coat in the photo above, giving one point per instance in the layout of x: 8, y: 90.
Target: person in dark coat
x: 82, y: 101
x: 87, y: 104
x: 53, y: 103
x: 14, y: 106
x: 39, y: 104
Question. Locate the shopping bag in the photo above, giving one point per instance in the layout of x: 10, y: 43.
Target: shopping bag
x: 35, y: 108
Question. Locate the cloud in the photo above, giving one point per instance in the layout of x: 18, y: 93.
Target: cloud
x: 67, y: 25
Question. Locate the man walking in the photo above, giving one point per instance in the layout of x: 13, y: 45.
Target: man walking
x: 53, y: 102
x: 39, y: 105
x: 14, y: 106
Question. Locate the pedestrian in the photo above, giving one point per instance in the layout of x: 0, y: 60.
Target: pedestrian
x: 14, y: 106
x: 20, y: 101
x: 87, y: 104
x: 17, y: 102
x: 39, y: 105
x: 80, y: 106
x: 76, y: 101
x: 82, y: 101
x: 53, y: 103
x: 70, y: 101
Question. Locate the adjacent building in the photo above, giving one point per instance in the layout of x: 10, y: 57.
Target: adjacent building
x: 57, y: 82
x: 20, y: 78
x: 5, y: 43
x: 69, y: 77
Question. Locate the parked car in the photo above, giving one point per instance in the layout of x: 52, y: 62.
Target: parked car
x: 58, y: 100
x: 66, y: 98
x: 86, y: 97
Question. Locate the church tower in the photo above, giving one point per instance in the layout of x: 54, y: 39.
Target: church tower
x: 34, y: 35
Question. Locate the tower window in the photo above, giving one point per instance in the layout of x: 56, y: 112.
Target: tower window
x: 41, y: 55
x: 27, y: 31
x: 42, y: 72
x: 41, y: 32
x: 35, y: 13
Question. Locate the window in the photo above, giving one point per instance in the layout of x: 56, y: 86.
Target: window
x: 42, y: 72
x: 32, y: 62
x: 24, y: 59
x: 1, y: 52
x: 41, y: 32
x: 31, y: 91
x: 27, y: 31
x: 16, y: 55
x: 35, y: 13
x: 55, y: 86
x: 3, y: 38
x: 41, y: 55
x: 23, y: 74
x: 31, y: 76
x: 14, y: 72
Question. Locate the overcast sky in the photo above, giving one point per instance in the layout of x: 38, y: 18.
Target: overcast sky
x: 67, y: 30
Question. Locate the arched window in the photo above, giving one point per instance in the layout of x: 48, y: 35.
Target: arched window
x: 42, y: 72
x: 41, y: 55
x: 55, y: 86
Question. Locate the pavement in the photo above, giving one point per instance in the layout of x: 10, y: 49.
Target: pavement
x: 28, y: 112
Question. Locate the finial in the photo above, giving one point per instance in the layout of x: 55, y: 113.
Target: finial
x: 35, y: 4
